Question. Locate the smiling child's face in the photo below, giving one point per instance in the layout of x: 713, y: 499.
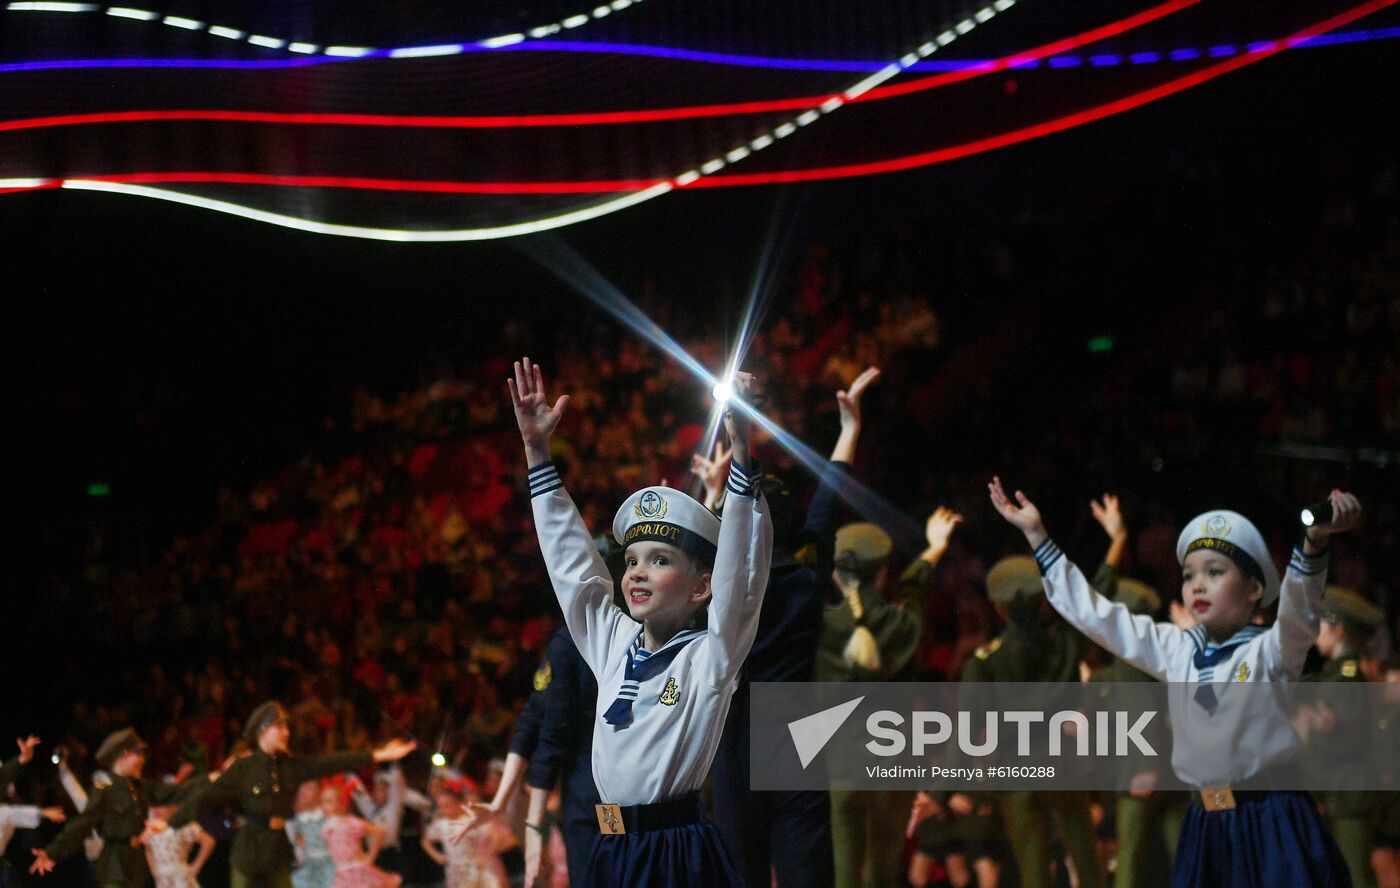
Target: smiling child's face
x: 660, y: 582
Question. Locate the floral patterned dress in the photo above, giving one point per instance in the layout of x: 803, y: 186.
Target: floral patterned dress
x: 170, y: 854
x: 345, y: 838
x: 474, y: 861
x: 314, y: 867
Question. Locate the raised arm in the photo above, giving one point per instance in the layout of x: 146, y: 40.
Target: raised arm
x: 1300, y: 594
x: 848, y: 404
x: 1149, y: 646
x: 712, y: 473
x: 1110, y: 517
x: 71, y: 785
x: 581, y: 581
x: 819, y: 528
x: 10, y: 771
x: 745, y: 551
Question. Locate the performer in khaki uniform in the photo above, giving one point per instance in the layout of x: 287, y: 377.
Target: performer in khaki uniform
x: 1348, y: 622
x: 1142, y: 810
x: 1036, y: 646
x: 263, y: 787
x: 866, y: 638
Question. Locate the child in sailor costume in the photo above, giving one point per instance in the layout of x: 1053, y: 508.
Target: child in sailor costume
x: 664, y: 687
x: 1250, y: 828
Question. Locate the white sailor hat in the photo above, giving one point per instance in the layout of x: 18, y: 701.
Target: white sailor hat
x: 665, y: 515
x: 1235, y: 536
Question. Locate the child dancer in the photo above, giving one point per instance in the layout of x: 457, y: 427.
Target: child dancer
x: 314, y: 868
x: 1241, y: 833
x: 346, y: 835
x: 168, y: 852
x: 663, y: 689
x: 467, y: 848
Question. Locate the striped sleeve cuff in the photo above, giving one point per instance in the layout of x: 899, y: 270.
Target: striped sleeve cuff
x: 1046, y: 554
x: 543, y: 479
x: 1309, y: 565
x: 743, y: 482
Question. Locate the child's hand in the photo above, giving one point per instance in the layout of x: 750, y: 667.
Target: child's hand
x: 42, y: 865
x: 1109, y: 516
x: 537, y: 420
x: 939, y: 527
x: 1022, y: 514
x: 1346, y: 512
x: 1181, y: 617
x: 737, y: 422
x: 711, y: 472
x: 849, y: 401
x: 53, y: 815
x: 26, y: 748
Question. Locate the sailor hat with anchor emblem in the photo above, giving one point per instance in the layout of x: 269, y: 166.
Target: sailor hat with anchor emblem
x: 664, y: 515
x: 1233, y: 535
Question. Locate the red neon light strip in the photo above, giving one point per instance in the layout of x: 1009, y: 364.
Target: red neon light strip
x: 1095, y: 35
x: 929, y: 158
x: 1049, y: 127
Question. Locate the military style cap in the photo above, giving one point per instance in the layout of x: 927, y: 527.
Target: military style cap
x: 1233, y: 535
x: 268, y: 713
x: 125, y: 740
x: 862, y: 545
x: 1352, y: 608
x: 1138, y: 597
x: 1013, y: 578
x: 665, y: 515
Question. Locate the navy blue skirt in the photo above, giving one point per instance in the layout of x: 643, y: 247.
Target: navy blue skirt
x: 1271, y: 840
x: 692, y: 856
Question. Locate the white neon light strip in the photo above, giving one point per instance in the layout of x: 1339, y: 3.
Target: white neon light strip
x: 52, y: 7
x: 399, y: 235
x: 144, y: 15
x: 423, y: 52
x: 411, y: 52
x: 384, y: 234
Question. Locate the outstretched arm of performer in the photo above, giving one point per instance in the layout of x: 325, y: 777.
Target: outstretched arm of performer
x: 745, y: 551
x: 1109, y: 514
x: 1300, y: 593
x: 576, y: 571
x: 1149, y: 646
x: 10, y: 771
x: 848, y: 405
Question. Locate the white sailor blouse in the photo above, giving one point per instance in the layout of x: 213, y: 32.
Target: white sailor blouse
x: 679, y: 695
x: 1219, y: 737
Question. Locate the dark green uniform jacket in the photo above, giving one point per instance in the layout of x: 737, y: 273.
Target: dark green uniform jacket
x: 118, y: 812
x: 261, y: 787
x: 897, y: 628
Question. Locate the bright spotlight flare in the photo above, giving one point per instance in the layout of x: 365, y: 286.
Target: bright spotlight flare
x: 723, y: 391
x: 1317, y: 513
x: 439, y: 760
